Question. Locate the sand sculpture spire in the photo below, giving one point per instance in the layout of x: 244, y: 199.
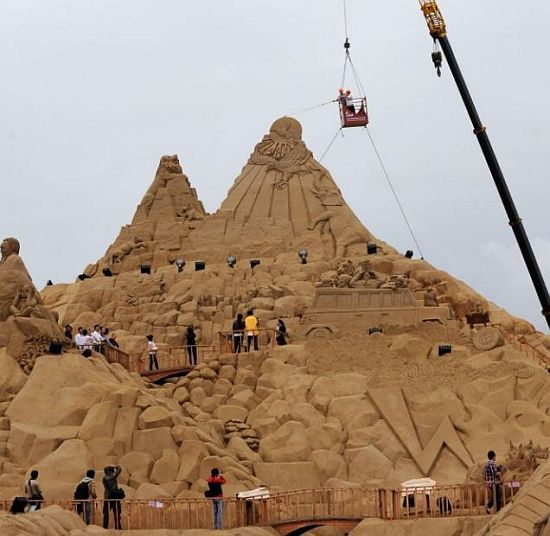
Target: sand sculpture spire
x: 284, y: 190
x: 167, y: 213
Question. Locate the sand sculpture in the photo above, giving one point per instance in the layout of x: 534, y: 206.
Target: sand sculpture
x: 351, y: 410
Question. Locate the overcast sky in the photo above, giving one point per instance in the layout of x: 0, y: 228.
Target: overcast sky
x: 94, y: 92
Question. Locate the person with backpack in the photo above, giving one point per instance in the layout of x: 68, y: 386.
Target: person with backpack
x: 112, y: 495
x: 34, y: 492
x: 84, y: 495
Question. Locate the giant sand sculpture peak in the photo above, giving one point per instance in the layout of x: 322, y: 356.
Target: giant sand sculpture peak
x: 282, y: 201
x: 285, y: 193
x: 163, y: 219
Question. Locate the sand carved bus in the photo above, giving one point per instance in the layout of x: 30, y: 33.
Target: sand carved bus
x: 360, y: 309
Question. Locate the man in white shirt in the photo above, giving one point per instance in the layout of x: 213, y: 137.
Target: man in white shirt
x: 87, y: 340
x: 78, y: 339
x: 97, y: 338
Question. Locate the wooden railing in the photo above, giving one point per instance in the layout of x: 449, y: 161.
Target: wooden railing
x: 169, y: 359
x: 265, y: 339
x: 302, y: 506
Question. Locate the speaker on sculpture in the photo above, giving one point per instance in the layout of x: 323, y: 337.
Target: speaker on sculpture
x: 180, y: 265
x: 144, y: 268
x: 444, y: 349
x: 81, y: 277
x: 199, y: 265
x: 254, y: 263
x: 372, y: 248
x: 231, y: 261
x: 56, y: 347
x: 409, y: 254
x: 107, y: 272
x: 303, y: 253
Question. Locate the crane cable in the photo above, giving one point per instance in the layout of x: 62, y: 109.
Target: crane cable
x: 361, y: 88
x: 330, y: 144
x: 394, y: 192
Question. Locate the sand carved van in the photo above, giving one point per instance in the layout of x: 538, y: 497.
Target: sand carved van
x: 359, y: 309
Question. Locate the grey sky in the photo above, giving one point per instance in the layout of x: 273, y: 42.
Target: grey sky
x: 94, y: 92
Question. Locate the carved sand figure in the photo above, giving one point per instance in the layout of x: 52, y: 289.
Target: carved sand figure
x: 10, y: 246
x: 364, y: 276
x: 430, y: 298
x: 26, y: 303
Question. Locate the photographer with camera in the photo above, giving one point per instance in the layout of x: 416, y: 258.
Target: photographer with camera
x: 112, y: 495
x: 493, y: 481
x: 215, y: 492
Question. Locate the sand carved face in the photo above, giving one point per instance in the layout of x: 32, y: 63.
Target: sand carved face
x: 9, y: 246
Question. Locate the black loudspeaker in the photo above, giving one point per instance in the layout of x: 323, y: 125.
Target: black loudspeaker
x: 49, y: 283
x: 87, y: 353
x: 83, y: 276
x: 444, y: 349
x: 375, y: 330
x: 199, y: 265
x: 372, y: 249
x: 107, y: 272
x: 254, y: 263
x: 145, y: 268
x: 56, y: 347
x: 409, y: 254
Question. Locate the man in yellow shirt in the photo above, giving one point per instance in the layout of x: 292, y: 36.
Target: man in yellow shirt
x: 251, y: 324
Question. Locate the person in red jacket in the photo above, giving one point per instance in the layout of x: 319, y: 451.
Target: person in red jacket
x: 215, y: 492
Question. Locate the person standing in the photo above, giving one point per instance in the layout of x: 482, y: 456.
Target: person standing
x: 493, y: 482
x: 238, y: 333
x: 84, y: 494
x: 34, y: 492
x: 152, y: 351
x: 79, y: 338
x: 68, y: 332
x: 280, y: 335
x: 112, y: 495
x: 215, y: 492
x: 191, y: 345
x: 251, y: 324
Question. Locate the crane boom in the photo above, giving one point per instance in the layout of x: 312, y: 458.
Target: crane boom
x: 438, y: 31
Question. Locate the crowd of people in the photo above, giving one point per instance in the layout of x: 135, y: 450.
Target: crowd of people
x: 86, y: 339
x: 246, y: 332
x: 85, y: 493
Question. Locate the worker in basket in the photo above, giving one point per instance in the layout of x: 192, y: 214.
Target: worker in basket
x: 346, y: 100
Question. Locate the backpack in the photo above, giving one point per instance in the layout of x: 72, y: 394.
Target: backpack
x: 82, y: 491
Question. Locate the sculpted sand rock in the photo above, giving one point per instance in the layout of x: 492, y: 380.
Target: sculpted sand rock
x: 27, y: 327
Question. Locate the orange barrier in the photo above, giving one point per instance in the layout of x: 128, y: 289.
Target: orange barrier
x: 301, y: 507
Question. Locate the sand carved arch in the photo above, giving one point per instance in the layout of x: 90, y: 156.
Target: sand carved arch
x: 393, y: 407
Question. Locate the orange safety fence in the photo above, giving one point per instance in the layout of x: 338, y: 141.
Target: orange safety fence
x: 171, y: 358
x: 300, y: 505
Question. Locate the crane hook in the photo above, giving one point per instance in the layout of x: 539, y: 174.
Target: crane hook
x: 437, y: 58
